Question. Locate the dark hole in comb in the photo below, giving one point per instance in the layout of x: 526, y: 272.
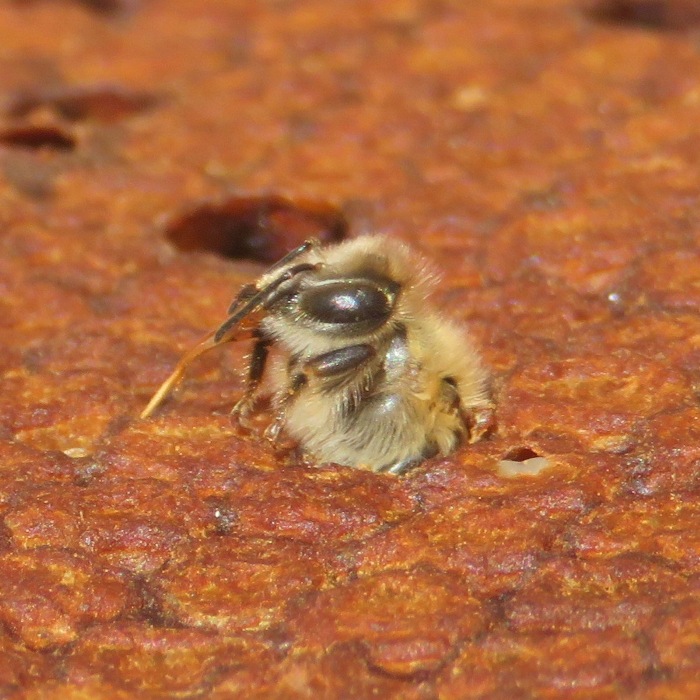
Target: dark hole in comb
x: 105, y: 7
x: 111, y: 6
x: 261, y: 229
x: 520, y: 454
x: 102, y: 103
x: 649, y: 14
x: 38, y: 137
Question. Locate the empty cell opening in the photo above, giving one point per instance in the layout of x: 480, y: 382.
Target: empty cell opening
x: 38, y: 137
x: 110, y: 6
x: 256, y: 228
x: 520, y: 462
x: 104, y: 7
x: 649, y: 14
x: 102, y: 103
x: 520, y: 454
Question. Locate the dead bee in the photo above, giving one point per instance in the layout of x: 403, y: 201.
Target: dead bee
x: 372, y: 375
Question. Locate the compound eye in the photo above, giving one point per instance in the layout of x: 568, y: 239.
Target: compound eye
x: 361, y: 304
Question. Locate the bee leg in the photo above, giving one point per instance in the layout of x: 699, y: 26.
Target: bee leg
x: 335, y: 363
x: 480, y: 421
x: 298, y: 382
x: 246, y: 404
x: 272, y: 432
x: 403, y: 465
x: 340, y: 362
x: 247, y: 292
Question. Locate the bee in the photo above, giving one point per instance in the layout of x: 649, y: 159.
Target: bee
x: 371, y: 375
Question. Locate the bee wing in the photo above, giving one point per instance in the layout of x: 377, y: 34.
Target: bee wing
x: 251, y: 291
x: 245, y: 314
x: 237, y: 327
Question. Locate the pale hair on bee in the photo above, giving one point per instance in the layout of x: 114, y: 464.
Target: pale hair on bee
x: 371, y: 374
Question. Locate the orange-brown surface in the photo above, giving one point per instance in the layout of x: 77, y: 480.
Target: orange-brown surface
x: 154, y: 154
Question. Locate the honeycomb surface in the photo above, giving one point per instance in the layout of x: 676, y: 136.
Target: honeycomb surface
x: 155, y: 155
